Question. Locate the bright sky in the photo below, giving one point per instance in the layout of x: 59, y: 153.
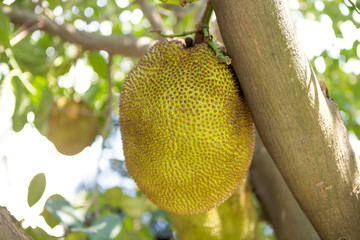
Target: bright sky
x: 24, y: 154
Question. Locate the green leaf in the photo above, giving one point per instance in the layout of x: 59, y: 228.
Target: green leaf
x: 36, y: 189
x: 113, y: 197
x: 64, y: 212
x: 50, y: 219
x: 30, y: 57
x: 22, y: 105
x: 39, y: 234
x: 107, y: 227
x: 4, y: 29
x: 91, y: 93
x: 128, y: 229
x: 76, y: 236
x: 132, y: 207
x: 99, y: 64
x: 42, y: 102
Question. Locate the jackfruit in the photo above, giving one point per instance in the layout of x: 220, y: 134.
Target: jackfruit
x: 72, y: 126
x: 187, y: 133
x: 236, y: 218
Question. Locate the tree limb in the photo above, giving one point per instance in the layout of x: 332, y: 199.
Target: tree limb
x: 302, y: 130
x: 10, y: 227
x: 114, y: 44
x: 280, y: 207
x: 153, y: 17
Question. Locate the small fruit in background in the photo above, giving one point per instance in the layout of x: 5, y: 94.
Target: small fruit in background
x: 72, y: 126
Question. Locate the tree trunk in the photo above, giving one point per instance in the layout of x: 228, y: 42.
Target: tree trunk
x: 280, y: 207
x: 10, y: 227
x: 301, y: 128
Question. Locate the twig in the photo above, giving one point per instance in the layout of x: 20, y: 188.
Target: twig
x: 355, y: 7
x: 18, y: 72
x: 203, y: 23
x: 174, y: 35
x: 153, y: 17
x: 26, y: 29
x: 183, y: 3
x: 43, y: 6
x: 103, y: 135
x: 202, y: 34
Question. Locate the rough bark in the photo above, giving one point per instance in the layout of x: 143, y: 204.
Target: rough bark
x: 301, y: 128
x: 114, y: 44
x: 280, y: 207
x: 236, y: 218
x: 10, y: 227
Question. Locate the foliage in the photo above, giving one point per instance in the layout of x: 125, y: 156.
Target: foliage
x: 41, y: 68
x: 341, y: 73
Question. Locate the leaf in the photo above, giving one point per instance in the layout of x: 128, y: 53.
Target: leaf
x: 38, y: 234
x: 4, y: 29
x: 22, y: 105
x: 91, y: 93
x: 128, y: 229
x: 76, y: 236
x: 64, y: 212
x: 36, y: 189
x: 50, y: 219
x: 107, y: 227
x: 42, y: 102
x: 132, y: 207
x: 113, y: 197
x: 99, y: 64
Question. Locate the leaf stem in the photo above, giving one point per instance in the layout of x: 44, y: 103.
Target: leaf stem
x: 355, y: 7
x: 18, y: 72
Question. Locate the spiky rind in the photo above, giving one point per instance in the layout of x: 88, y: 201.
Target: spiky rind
x: 187, y: 133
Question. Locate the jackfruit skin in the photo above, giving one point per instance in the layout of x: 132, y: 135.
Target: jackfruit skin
x: 187, y: 133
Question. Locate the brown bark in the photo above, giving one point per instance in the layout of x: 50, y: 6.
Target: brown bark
x: 280, y: 207
x: 301, y: 129
x: 114, y: 44
x: 10, y: 227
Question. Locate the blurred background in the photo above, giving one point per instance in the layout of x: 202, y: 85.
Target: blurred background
x: 62, y: 65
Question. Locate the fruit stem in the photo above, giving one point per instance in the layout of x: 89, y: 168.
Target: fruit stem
x: 203, y: 26
x: 217, y: 49
x: 202, y: 34
x: 207, y: 13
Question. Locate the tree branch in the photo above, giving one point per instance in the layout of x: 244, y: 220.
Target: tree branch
x: 355, y: 7
x: 280, y: 207
x: 302, y: 130
x: 114, y: 44
x: 153, y: 17
x: 10, y: 227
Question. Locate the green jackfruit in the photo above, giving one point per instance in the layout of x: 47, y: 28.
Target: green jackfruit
x: 187, y: 133
x: 72, y: 126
